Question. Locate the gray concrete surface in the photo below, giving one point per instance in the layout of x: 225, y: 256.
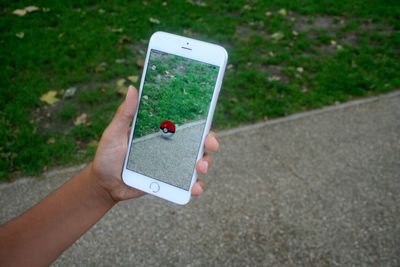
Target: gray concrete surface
x: 171, y: 160
x: 315, y: 189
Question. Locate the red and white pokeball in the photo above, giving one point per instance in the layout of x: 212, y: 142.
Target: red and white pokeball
x: 167, y: 129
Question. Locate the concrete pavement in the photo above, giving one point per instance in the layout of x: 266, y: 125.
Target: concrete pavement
x: 320, y: 188
x: 169, y: 160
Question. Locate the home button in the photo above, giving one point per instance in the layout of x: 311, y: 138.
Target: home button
x: 154, y: 187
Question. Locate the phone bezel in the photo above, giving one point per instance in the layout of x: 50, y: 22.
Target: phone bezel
x: 192, y: 49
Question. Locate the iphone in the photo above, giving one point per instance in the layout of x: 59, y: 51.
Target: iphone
x: 178, y: 92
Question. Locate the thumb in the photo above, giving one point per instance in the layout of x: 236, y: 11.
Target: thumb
x: 125, y: 112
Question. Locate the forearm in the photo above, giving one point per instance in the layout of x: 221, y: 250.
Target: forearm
x: 41, y: 234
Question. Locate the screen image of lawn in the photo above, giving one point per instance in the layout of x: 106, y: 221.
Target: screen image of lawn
x: 176, y: 89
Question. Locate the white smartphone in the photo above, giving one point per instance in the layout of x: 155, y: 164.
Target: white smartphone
x: 178, y: 92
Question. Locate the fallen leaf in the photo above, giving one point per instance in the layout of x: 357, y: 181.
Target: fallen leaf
x: 122, y: 90
x: 101, y: 67
x: 19, y: 12
x: 124, y: 39
x: 26, y: 10
x: 246, y: 7
x: 51, y: 140
x: 121, y: 82
x: 282, y: 12
x: 20, y: 35
x: 233, y: 99
x: 120, y: 61
x: 81, y: 119
x: 154, y: 20
x: 140, y: 62
x: 93, y: 143
x: 133, y: 78
x: 277, y: 36
x: 70, y: 92
x: 197, y: 3
x: 116, y: 29
x: 30, y: 9
x: 50, y: 97
x: 274, y: 78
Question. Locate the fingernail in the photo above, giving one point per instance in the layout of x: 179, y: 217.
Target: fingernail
x: 205, y: 163
x: 130, y: 88
x: 201, y: 190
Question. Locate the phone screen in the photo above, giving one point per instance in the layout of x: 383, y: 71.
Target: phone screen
x: 172, y: 114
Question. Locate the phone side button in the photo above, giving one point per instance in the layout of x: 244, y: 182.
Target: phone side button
x: 154, y: 187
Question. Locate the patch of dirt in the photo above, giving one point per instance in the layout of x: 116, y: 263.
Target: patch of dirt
x: 275, y: 73
x: 333, y: 25
x: 309, y: 23
x: 47, y: 117
x: 245, y: 32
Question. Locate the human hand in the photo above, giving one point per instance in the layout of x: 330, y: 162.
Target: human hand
x: 108, y: 162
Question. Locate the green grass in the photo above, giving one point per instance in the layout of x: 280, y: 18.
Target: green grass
x: 278, y: 64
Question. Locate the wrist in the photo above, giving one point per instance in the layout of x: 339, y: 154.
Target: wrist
x: 100, y: 191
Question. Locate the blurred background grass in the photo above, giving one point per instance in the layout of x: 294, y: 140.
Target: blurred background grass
x: 284, y: 57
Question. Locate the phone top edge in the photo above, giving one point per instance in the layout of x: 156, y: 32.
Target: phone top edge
x: 180, y: 37
x: 175, y: 44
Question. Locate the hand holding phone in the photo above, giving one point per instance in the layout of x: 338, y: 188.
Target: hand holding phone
x: 178, y: 93
x: 107, y: 164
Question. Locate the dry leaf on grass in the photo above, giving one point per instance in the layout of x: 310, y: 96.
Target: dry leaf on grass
x: 133, y: 78
x: 30, y: 9
x: 121, y: 88
x: 120, y: 61
x: 19, y: 12
x: 121, y: 82
x: 70, y: 92
x: 282, y: 12
x: 277, y: 36
x: 124, y: 39
x: 81, y: 119
x: 154, y: 20
x: 140, y: 62
x: 93, y: 143
x: 101, y: 67
x: 20, y: 35
x: 50, y: 97
x: 26, y: 10
x: 116, y: 29
x: 51, y: 140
